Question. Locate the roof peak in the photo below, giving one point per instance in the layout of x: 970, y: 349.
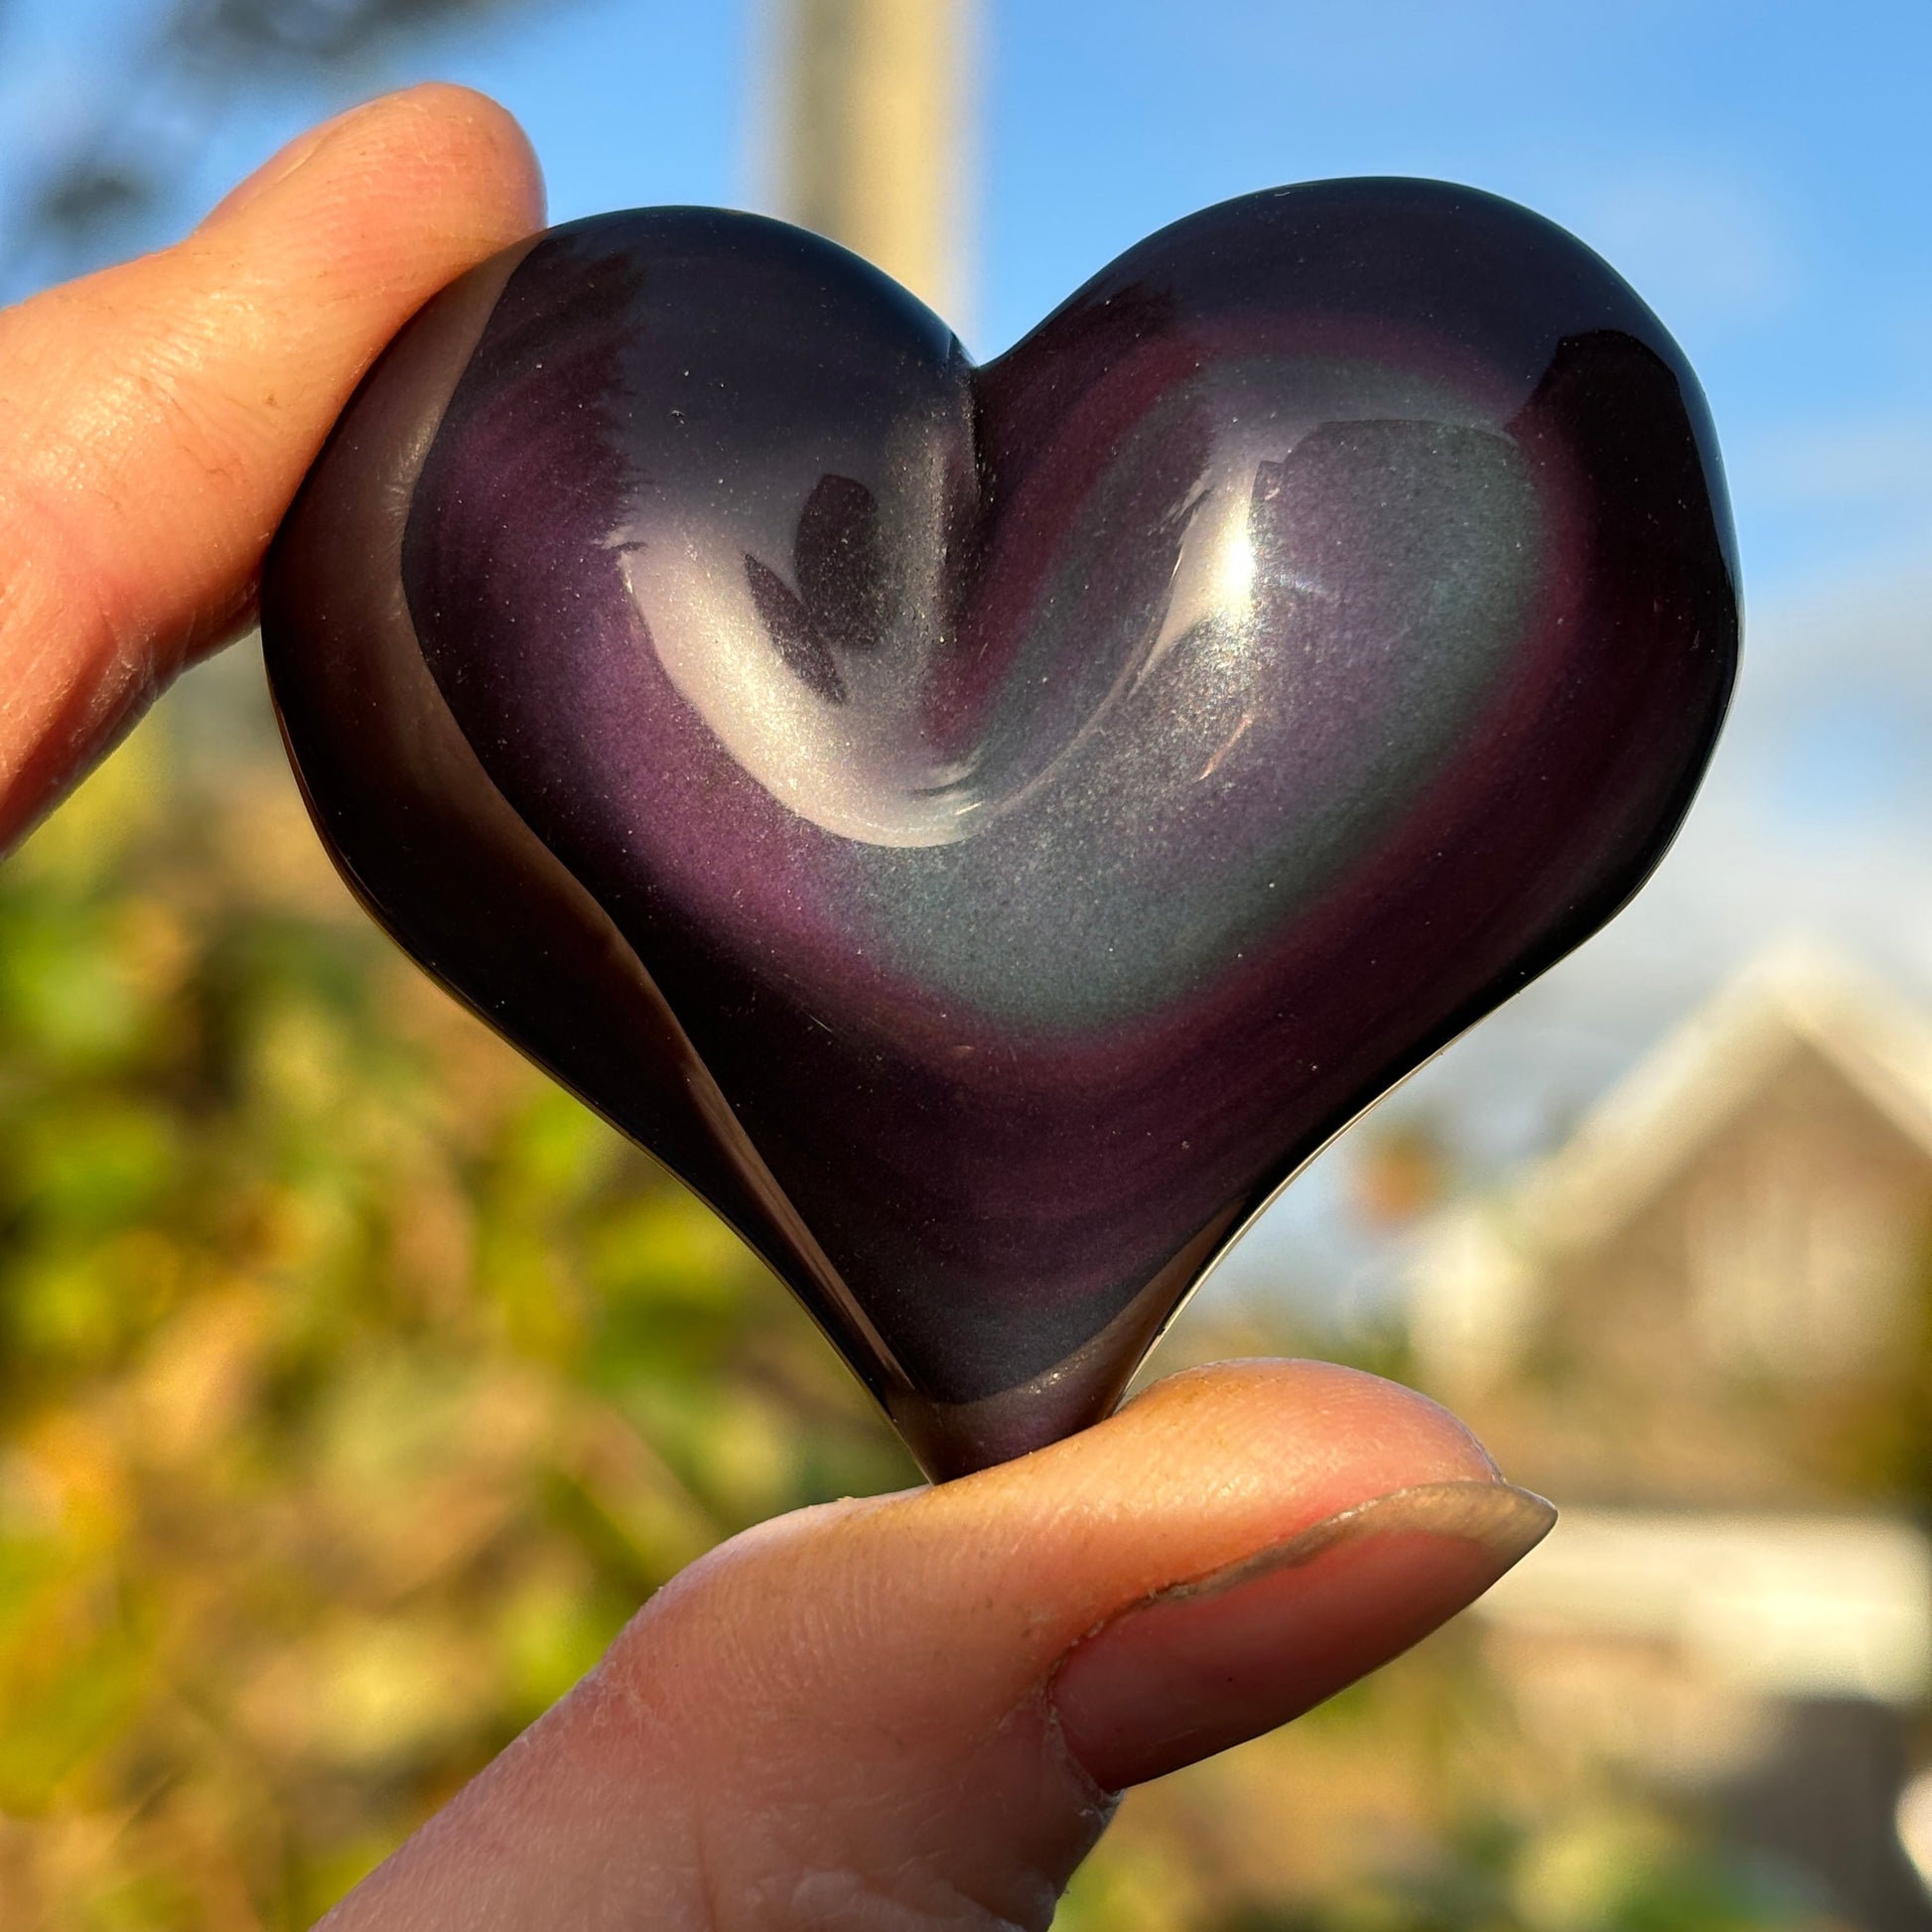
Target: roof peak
x: 1798, y: 991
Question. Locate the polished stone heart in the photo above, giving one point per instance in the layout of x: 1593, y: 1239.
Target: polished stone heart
x: 984, y: 828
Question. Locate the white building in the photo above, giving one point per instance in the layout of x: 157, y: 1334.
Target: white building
x: 1703, y: 1326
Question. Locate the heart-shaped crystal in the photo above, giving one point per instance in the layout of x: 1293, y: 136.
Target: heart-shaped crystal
x: 984, y: 828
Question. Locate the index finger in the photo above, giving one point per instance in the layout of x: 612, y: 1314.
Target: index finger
x: 156, y: 418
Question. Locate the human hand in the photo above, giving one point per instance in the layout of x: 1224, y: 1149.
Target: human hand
x: 898, y: 1712
x: 156, y: 418
x: 915, y: 1711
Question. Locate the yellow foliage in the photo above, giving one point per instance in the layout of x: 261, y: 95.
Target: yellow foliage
x: 356, y: 1385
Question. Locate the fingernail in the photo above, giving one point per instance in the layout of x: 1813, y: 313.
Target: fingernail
x: 1213, y: 1662
x: 283, y: 162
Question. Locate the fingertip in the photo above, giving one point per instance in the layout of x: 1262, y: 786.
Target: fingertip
x: 1362, y: 1421
x: 1307, y: 1434
x: 1219, y: 1659
x: 443, y: 169
x: 1203, y: 1471
x: 453, y: 137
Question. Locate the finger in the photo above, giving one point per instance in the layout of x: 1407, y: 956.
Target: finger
x: 913, y: 1711
x: 156, y: 418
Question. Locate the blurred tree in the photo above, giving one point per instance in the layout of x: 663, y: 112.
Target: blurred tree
x: 355, y: 1383
x: 1605, y: 1871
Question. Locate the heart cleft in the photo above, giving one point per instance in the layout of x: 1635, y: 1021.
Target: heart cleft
x: 986, y: 827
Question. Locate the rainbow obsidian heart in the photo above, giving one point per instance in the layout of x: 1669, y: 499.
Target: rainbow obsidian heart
x: 985, y: 827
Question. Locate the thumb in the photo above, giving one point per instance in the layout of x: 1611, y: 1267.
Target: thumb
x: 913, y: 1711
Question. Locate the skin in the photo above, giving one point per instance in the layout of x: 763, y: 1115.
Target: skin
x: 896, y: 1713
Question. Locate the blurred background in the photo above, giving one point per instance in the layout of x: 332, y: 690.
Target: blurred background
x: 356, y: 1384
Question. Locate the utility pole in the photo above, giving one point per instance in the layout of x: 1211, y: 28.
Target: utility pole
x: 873, y: 112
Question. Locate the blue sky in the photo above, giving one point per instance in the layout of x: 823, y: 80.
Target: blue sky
x: 1760, y: 172
x: 1757, y: 170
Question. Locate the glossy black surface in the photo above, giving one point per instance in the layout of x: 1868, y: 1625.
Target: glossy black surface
x: 985, y: 828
